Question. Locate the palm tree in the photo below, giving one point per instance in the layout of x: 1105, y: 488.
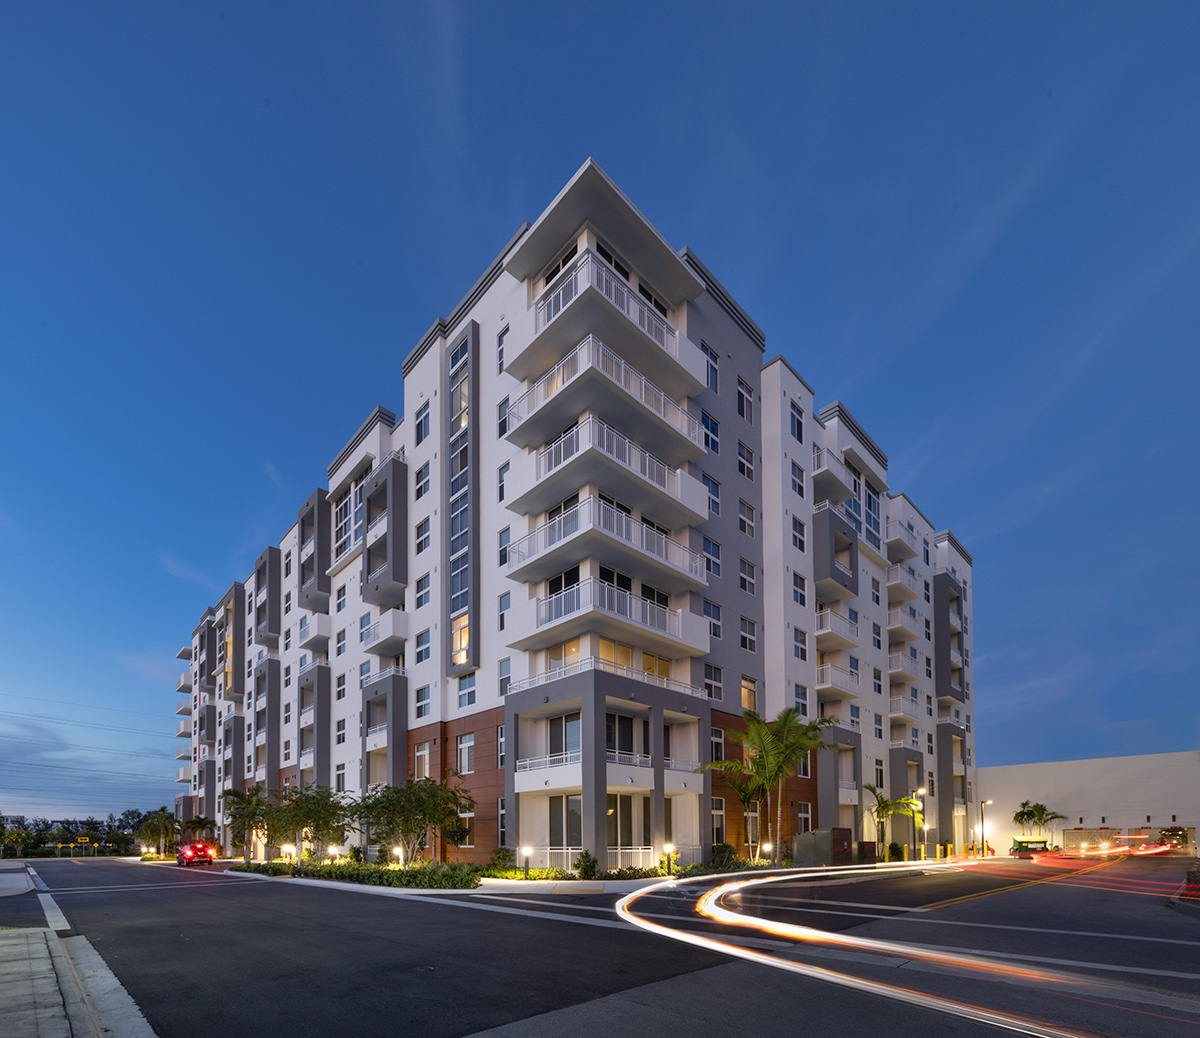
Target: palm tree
x: 884, y: 809
x: 1041, y: 817
x: 1023, y: 815
x: 160, y: 827
x: 197, y: 826
x: 747, y: 787
x: 249, y: 813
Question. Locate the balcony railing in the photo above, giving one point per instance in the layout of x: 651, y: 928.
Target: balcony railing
x: 901, y: 618
x: 312, y: 665
x: 377, y: 572
x: 853, y: 723
x: 550, y: 760
x: 592, y: 353
x: 824, y: 460
x: 594, y: 514
x: 897, y: 531
x: 306, y: 716
x: 596, y: 663
x: 845, y: 570
x: 680, y: 764
x: 600, y: 595
x: 589, y: 269
x: 906, y: 744
x: 899, y: 575
x: 631, y: 857
x: 307, y: 545
x: 380, y: 675
x: 308, y: 583
x: 903, y: 705
x: 593, y: 433
x: 829, y: 622
x: 375, y: 729
x: 633, y: 760
x: 398, y: 453
x: 847, y: 784
x: 829, y: 676
x: 377, y: 520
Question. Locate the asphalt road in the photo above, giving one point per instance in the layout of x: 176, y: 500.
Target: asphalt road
x: 244, y: 956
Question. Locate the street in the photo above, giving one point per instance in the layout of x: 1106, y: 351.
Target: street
x: 1091, y: 948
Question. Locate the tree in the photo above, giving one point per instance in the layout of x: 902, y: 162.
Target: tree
x: 402, y: 815
x: 1041, y: 817
x: 198, y: 826
x: 160, y: 828
x: 746, y: 786
x: 316, y: 814
x: 1023, y: 816
x: 249, y: 814
x: 20, y: 838
x: 883, y: 809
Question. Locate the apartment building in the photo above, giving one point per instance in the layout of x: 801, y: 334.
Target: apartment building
x: 605, y: 527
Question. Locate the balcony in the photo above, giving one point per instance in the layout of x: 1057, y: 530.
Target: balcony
x: 681, y: 764
x: 906, y: 743
x: 184, y: 684
x: 386, y: 637
x: 629, y: 760
x: 597, y: 606
x: 377, y: 527
x: 594, y: 452
x: 306, y: 549
x: 185, y: 653
x: 952, y: 717
x: 314, y: 634
x: 307, y: 716
x: 830, y: 477
x: 590, y: 298
x: 184, y: 775
x: 836, y: 683
x: 260, y: 774
x: 184, y: 706
x: 550, y: 760
x: 901, y: 542
x: 596, y: 663
x: 306, y: 758
x: 901, y: 626
x: 184, y: 752
x: 903, y: 706
x: 958, y: 766
x: 901, y: 585
x: 901, y: 666
x: 593, y: 528
x: 260, y: 737
x: 847, y: 791
x: 834, y: 631
x: 956, y: 659
x: 184, y: 729
x: 373, y: 685
x: 308, y: 673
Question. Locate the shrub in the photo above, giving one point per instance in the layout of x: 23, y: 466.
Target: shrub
x: 355, y: 853
x: 502, y: 858
x: 1192, y: 890
x: 894, y: 851
x: 586, y: 865
x: 633, y: 872
x: 724, y: 854
x: 492, y: 872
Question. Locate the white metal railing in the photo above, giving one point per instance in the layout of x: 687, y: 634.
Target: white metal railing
x: 631, y: 857
x: 824, y: 460
x: 594, y: 514
x: 680, y: 764
x: 306, y: 754
x: 308, y: 544
x: 845, y: 570
x: 377, y: 572
x: 397, y: 453
x: 308, y: 583
x: 906, y: 744
x: 311, y: 666
x: 375, y: 729
x: 380, y: 675
x: 902, y: 661
x: 901, y: 618
x: 377, y: 520
x: 897, y: 531
x: 592, y: 354
x: 552, y: 857
x: 633, y: 760
x: 899, y: 575
x: 903, y: 705
x: 593, y: 433
x: 829, y: 676
x: 829, y: 622
x: 306, y: 715
x: 550, y: 760
x: 845, y: 721
x: 589, y: 269
x: 960, y: 801
x: 596, y: 663
x: 956, y: 659
x: 847, y: 784
x: 260, y: 774
x: 594, y: 593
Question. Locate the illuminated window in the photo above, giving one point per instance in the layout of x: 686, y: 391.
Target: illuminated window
x: 749, y: 693
x: 460, y: 638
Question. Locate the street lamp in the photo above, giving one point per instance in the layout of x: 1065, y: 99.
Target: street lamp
x: 668, y: 850
x: 917, y: 793
x: 982, y: 831
x: 766, y: 849
x: 525, y: 853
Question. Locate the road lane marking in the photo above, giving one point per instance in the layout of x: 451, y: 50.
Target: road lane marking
x: 1017, y: 886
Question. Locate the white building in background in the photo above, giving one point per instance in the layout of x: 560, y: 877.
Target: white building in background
x: 606, y: 526
x: 1101, y: 797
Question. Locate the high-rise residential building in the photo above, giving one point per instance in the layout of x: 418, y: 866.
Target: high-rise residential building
x: 605, y: 527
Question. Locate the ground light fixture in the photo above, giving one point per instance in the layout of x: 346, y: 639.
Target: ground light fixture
x: 526, y: 853
x: 333, y: 852
x: 668, y: 850
x: 399, y: 852
x: 766, y: 848
x: 917, y: 793
x: 289, y: 850
x: 982, y: 831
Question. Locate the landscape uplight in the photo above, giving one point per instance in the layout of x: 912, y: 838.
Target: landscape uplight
x: 399, y: 852
x: 668, y: 850
x: 333, y: 851
x: 289, y: 850
x: 766, y: 848
x: 526, y: 853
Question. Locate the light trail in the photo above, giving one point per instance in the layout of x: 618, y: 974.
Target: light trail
x: 710, y: 905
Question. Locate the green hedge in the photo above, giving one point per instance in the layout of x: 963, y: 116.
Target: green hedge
x: 433, y: 875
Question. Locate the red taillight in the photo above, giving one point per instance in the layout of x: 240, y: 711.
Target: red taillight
x: 188, y: 852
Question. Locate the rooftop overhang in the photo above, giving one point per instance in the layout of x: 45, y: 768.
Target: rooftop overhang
x: 592, y: 198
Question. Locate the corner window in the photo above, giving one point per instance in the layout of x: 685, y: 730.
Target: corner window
x: 797, y: 423
x: 711, y: 361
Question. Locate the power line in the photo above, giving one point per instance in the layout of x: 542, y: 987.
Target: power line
x: 86, y: 724
x: 76, y: 746
x: 86, y: 771
x: 85, y: 706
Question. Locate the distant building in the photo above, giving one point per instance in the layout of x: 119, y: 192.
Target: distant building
x: 1100, y: 797
x: 604, y: 528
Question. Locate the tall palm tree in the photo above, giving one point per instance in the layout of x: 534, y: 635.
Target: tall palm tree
x: 249, y: 813
x: 883, y: 809
x: 160, y: 827
x: 1023, y: 815
x: 1041, y: 817
x: 198, y: 826
x: 747, y: 787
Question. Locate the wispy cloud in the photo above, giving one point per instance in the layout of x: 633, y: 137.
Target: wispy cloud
x: 273, y: 475
x: 182, y: 571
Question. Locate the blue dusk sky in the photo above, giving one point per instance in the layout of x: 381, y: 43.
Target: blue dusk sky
x: 223, y: 226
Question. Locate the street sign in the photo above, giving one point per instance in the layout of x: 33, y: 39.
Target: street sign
x: 83, y: 839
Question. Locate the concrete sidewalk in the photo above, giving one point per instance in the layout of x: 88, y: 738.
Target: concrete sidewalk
x: 53, y: 983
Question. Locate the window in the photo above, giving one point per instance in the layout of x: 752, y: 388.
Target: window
x: 466, y: 691
x: 341, y: 598
x: 339, y: 781
x: 799, y: 643
x: 423, y: 701
x: 422, y: 537
x: 712, y: 556
x: 340, y: 692
x: 879, y: 726
x: 749, y: 635
x: 929, y: 742
x: 797, y: 534
x: 502, y: 417
x: 500, y: 364
x: 800, y: 693
x: 503, y: 539
x: 797, y: 423
x: 929, y: 705
x: 745, y: 401
x: 804, y: 816
x: 287, y: 564
x: 745, y: 461
x: 797, y: 480
x: 340, y: 730
x: 879, y: 774
x: 501, y: 827
x: 927, y: 593
x: 875, y: 591
x: 926, y: 553
x: 876, y: 636
x: 500, y: 745
x: 799, y: 590
x: 466, y: 753
x: 287, y: 676
x: 928, y: 666
x: 718, y: 820
x: 933, y: 789
x: 287, y: 713
x: 422, y: 591
x: 501, y: 475
x: 364, y: 673
x: 928, y: 630
x: 746, y: 576
x: 423, y: 646
x: 711, y: 361
x: 460, y: 639
x: 716, y: 743
x: 713, y: 683
x: 341, y: 643
x: 421, y: 760
x: 746, y: 518
x: 287, y: 603
x: 504, y: 669
x: 421, y: 482
x: 714, y: 493
x: 712, y: 432
x: 287, y: 636
x: 804, y: 766
x: 749, y: 694
x: 422, y: 424
x: 713, y: 612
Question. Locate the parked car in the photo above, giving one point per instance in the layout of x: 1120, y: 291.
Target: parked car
x: 195, y: 854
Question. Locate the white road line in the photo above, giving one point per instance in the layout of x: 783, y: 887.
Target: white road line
x: 842, y: 904
x: 143, y: 886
